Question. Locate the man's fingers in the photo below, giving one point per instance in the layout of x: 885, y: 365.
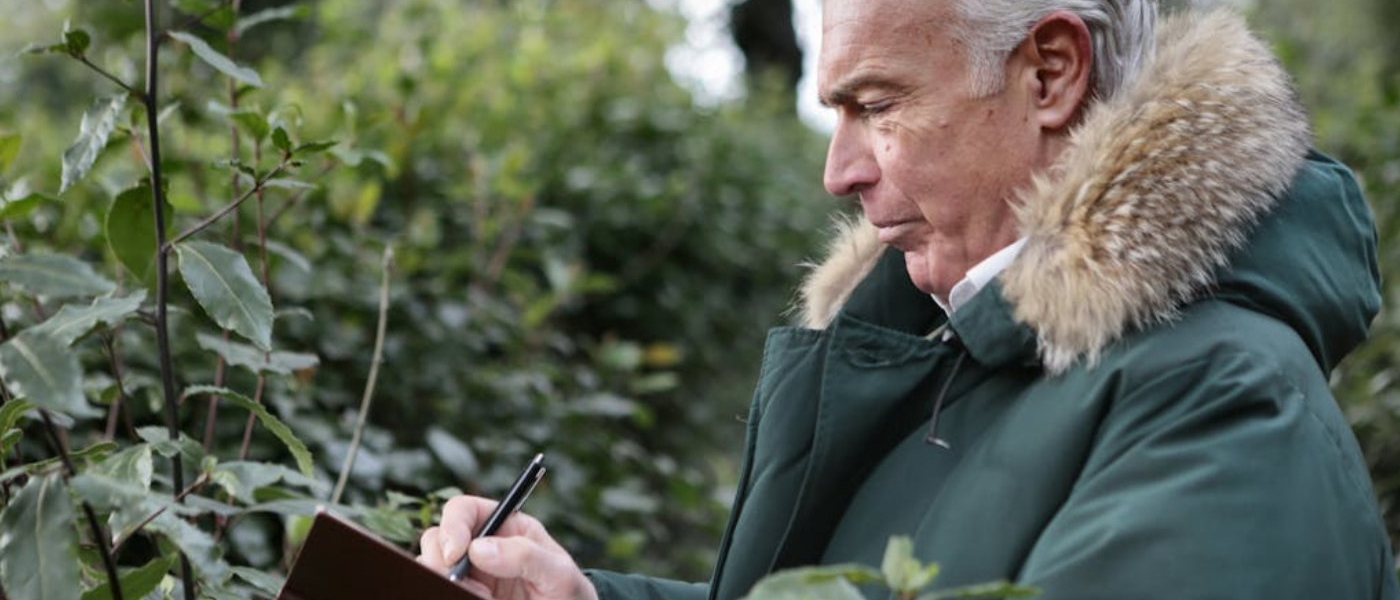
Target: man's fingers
x: 460, y: 517
x: 548, y: 572
x: 430, y: 550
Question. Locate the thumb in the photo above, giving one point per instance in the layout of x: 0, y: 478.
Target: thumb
x: 549, y: 574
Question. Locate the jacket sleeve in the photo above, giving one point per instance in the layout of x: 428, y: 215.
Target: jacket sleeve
x: 1231, y: 477
x: 622, y: 586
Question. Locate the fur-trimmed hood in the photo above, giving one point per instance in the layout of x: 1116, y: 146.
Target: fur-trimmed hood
x: 1158, y: 187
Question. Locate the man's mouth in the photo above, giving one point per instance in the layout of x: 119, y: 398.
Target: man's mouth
x: 896, y: 232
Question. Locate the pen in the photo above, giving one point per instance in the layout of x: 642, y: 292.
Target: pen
x: 519, y: 491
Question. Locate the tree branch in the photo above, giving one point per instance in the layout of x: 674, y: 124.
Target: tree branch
x: 167, y: 368
x: 232, y: 206
x: 82, y: 58
x: 378, y: 357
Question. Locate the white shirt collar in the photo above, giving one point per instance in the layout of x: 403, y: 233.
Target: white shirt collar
x: 979, y: 276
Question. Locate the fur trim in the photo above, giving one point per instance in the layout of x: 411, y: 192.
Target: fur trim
x: 1155, y: 189
x: 851, y: 254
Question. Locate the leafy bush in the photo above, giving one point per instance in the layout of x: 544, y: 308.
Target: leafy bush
x: 583, y: 262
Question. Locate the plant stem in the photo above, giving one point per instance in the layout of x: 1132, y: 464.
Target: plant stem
x: 378, y: 357
x: 252, y: 419
x: 301, y: 195
x: 113, y: 78
x: 167, y: 368
x: 111, y: 432
x: 199, y: 481
x: 223, y: 212
x: 99, y: 536
x: 235, y: 153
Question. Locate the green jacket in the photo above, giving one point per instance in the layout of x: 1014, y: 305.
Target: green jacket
x: 1137, y: 407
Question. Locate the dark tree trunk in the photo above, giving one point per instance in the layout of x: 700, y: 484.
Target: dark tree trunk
x: 764, y: 33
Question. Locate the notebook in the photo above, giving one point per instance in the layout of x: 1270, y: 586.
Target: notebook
x: 342, y: 561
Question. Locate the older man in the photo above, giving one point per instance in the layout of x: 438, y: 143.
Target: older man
x: 1080, y: 339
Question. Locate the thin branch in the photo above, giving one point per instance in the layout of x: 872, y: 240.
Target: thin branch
x: 301, y: 195
x: 82, y: 58
x: 94, y: 525
x: 235, y: 153
x: 197, y: 19
x: 232, y: 206
x: 199, y: 481
x: 252, y: 419
x: 378, y: 357
x: 506, y: 245
x: 167, y: 368
x: 111, y: 432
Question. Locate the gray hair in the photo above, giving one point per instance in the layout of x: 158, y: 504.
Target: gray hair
x: 1122, y: 32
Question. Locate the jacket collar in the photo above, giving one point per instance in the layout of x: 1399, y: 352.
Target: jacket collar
x: 1158, y: 186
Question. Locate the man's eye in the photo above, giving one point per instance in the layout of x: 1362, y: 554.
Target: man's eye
x: 872, y: 109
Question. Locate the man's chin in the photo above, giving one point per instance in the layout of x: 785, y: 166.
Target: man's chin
x: 922, y: 276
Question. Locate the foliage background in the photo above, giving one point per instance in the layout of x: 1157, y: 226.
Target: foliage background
x: 585, y: 258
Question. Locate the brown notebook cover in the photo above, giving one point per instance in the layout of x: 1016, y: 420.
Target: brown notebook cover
x: 341, y: 561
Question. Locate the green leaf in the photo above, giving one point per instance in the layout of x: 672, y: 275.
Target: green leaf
x: 272, y: 423
x: 288, y: 184
x: 53, y: 275
x: 998, y: 589
x: 255, y: 360
x: 76, y: 41
x: 264, y: 582
x: 134, y: 464
x: 453, y: 454
x: 159, y: 439
x: 281, y: 139
x: 252, y: 122
x: 391, y: 524
x: 99, y: 451
x: 242, y: 479
x: 224, y: 285
x: 804, y: 584
x: 12, y: 412
x: 43, y: 48
x: 270, y: 15
x: 214, y: 58
x: 9, y: 439
x: 39, y: 548
x: 9, y: 149
x: 901, y: 570
x: 136, y: 583
x: 201, y: 549
x: 131, y: 230
x: 71, y: 324
x: 315, y: 147
x: 18, y: 208
x: 40, y: 368
x: 97, y: 125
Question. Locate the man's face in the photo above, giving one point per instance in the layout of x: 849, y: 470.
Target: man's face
x: 935, y: 166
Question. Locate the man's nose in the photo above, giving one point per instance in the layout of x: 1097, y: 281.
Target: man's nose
x: 850, y: 164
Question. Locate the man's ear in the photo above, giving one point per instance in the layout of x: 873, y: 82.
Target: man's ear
x: 1061, y: 53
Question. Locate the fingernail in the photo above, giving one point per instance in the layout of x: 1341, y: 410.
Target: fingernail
x: 451, y: 550
x: 485, y: 549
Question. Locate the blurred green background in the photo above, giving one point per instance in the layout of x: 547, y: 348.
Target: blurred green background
x: 587, y: 257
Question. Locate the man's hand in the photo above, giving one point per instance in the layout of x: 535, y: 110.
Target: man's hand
x: 520, y: 562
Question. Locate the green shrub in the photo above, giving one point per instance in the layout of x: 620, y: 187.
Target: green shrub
x: 585, y: 262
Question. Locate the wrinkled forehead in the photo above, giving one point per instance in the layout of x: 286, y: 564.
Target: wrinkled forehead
x: 889, y: 16
x: 887, y: 32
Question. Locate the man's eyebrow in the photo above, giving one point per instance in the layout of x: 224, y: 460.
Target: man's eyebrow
x: 845, y: 92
